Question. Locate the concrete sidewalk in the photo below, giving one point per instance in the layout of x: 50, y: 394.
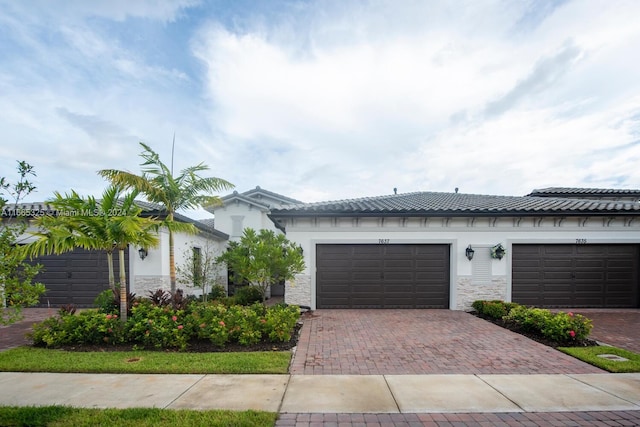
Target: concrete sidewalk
x: 329, y: 393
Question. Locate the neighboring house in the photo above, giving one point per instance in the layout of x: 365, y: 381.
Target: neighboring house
x: 77, y: 277
x: 563, y: 247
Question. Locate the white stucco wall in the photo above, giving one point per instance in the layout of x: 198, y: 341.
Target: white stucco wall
x: 480, y: 233
x: 152, y: 273
x: 245, y: 215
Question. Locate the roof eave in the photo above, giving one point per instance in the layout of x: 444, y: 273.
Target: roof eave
x: 452, y: 214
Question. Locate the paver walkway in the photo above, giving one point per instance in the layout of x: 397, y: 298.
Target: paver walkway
x: 375, y: 342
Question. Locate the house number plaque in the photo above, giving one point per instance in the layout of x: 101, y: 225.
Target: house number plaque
x: 581, y: 241
x: 383, y: 241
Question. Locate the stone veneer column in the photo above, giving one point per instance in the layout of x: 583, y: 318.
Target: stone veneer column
x: 467, y: 292
x: 298, y: 291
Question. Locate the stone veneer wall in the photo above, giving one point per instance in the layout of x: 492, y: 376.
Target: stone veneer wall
x: 298, y: 292
x: 468, y: 292
x: 144, y: 284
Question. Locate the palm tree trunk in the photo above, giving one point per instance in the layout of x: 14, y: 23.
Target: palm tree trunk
x: 172, y: 264
x: 112, y: 277
x: 123, y: 287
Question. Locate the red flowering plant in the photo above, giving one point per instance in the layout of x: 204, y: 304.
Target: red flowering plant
x: 157, y: 327
x: 565, y: 327
x: 561, y: 327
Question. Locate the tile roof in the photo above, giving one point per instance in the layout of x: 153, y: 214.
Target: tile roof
x: 583, y: 192
x: 458, y: 204
x: 258, y: 190
x: 148, y: 209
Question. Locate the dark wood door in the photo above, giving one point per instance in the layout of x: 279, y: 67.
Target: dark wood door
x: 382, y: 276
x: 575, y: 275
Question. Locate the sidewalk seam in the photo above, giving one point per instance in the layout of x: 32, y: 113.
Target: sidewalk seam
x: 284, y: 393
x: 392, y: 395
x: 602, y: 389
x: 500, y: 393
x: 185, y: 391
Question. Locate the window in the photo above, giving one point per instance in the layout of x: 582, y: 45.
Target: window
x: 197, y: 267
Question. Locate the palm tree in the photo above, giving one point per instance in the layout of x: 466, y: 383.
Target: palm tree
x: 173, y: 193
x: 110, y: 224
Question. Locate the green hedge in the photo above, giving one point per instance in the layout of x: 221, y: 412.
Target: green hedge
x: 564, y: 328
x: 160, y: 327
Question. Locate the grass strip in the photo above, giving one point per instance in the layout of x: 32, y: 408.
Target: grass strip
x: 590, y: 355
x: 60, y: 416
x: 30, y: 359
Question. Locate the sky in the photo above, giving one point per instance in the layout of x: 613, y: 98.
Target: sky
x: 325, y: 100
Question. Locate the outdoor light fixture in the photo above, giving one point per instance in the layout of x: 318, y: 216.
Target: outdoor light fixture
x: 469, y: 252
x: 143, y: 253
x: 498, y: 251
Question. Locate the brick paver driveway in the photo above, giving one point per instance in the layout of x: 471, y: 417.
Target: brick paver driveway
x: 616, y: 327
x: 370, y: 342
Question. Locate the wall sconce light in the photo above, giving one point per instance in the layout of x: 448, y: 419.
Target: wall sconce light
x: 143, y: 253
x: 469, y: 252
x: 498, y: 251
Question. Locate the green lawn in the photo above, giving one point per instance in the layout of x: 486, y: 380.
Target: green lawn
x: 58, y: 416
x: 590, y: 355
x: 30, y: 359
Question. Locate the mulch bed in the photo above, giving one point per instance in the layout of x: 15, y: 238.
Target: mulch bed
x: 513, y: 327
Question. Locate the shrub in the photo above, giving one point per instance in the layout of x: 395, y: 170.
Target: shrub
x: 217, y: 292
x: 248, y: 295
x: 280, y: 321
x: 495, y: 309
x: 88, y: 327
x: 162, y: 327
x: 209, y: 323
x: 561, y: 327
x: 106, y: 303
x: 567, y: 327
x: 158, y: 327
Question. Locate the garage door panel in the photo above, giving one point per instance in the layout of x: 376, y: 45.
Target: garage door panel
x: 399, y: 270
x: 75, y: 277
x: 576, y: 275
x: 556, y: 250
x: 432, y: 264
x: 398, y: 264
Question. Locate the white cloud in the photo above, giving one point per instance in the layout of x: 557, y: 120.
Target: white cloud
x: 325, y: 100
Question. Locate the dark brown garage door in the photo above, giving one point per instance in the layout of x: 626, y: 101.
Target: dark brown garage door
x: 575, y: 275
x: 75, y: 277
x: 382, y: 276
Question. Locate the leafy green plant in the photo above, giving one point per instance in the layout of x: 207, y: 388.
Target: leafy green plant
x: 496, y: 309
x: 280, y: 322
x: 17, y: 289
x: 162, y: 327
x: 560, y: 327
x: 247, y: 295
x: 87, y: 327
x: 217, y: 292
x: 263, y: 258
x: 106, y: 303
x: 157, y: 327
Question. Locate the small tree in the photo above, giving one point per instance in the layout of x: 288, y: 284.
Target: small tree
x: 16, y: 275
x: 263, y: 259
x: 85, y: 223
x: 200, y: 268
